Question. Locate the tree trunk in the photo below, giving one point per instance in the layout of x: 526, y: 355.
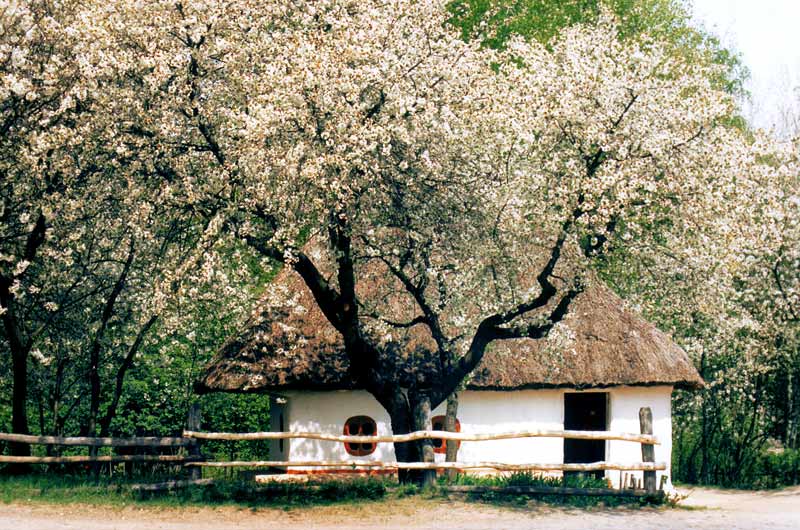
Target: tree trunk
x: 421, y: 416
x: 450, y: 426
x: 19, y: 368
x: 793, y: 425
x: 413, y: 413
x: 94, y: 403
x: 19, y: 399
x: 704, y: 431
x: 404, y: 452
x: 19, y: 349
x: 704, y: 434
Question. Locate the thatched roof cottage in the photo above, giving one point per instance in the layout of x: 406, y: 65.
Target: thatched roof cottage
x: 614, y: 363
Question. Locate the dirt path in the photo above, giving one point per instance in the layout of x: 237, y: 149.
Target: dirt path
x: 704, y: 509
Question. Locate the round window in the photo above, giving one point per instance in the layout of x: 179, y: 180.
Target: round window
x: 439, y: 445
x: 360, y: 426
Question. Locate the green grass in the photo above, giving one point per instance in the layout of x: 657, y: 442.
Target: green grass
x: 233, y: 490
x: 51, y: 488
x: 61, y: 489
x: 527, y: 478
x: 537, y: 480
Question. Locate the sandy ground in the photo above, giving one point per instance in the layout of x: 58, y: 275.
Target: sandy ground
x: 704, y: 509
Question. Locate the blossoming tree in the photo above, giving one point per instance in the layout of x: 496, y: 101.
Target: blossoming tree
x: 415, y: 182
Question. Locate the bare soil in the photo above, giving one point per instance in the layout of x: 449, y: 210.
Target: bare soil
x: 703, y: 508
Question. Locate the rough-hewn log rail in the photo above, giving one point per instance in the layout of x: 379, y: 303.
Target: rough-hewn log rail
x: 545, y: 490
x: 345, y: 464
x: 142, y: 441
x: 172, y: 485
x: 176, y: 459
x: 421, y: 435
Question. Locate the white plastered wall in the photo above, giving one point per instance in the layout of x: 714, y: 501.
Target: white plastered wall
x: 624, y: 408
x: 485, y: 412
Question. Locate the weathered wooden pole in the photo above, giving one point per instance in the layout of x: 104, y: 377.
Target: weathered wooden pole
x: 193, y: 421
x: 648, y: 450
x: 450, y: 426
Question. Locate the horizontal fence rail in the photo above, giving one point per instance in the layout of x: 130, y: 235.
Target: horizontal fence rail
x: 595, y: 466
x: 176, y: 459
x: 148, y: 442
x: 548, y: 490
x: 141, y: 441
x: 422, y: 435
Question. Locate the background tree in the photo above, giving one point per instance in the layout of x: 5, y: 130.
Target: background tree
x: 40, y: 94
x: 91, y: 266
x: 495, y: 22
x: 741, y: 332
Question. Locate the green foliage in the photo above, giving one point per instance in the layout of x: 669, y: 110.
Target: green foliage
x: 59, y: 488
x: 236, y: 413
x: 159, y: 388
x: 762, y: 469
x: 496, y: 21
x: 778, y: 469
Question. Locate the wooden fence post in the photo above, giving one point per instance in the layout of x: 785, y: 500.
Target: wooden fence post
x: 648, y: 450
x: 193, y: 421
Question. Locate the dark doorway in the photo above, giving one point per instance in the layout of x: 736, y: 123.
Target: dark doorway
x: 585, y: 412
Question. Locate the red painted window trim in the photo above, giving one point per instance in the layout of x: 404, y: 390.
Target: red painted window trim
x: 360, y: 426
x: 439, y: 445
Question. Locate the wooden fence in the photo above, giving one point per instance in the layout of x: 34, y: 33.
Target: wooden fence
x: 645, y: 438
x: 136, y: 442
x: 194, y: 461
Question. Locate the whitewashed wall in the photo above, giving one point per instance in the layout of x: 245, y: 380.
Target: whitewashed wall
x: 484, y: 412
x: 624, y: 417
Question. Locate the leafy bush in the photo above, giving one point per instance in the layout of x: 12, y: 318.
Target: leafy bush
x: 778, y: 469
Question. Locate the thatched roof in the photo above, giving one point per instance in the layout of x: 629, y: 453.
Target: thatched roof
x: 284, y: 348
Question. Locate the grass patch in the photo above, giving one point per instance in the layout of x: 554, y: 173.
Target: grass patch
x: 288, y: 495
x: 526, y: 478
x: 236, y: 491
x: 61, y: 489
x: 50, y: 488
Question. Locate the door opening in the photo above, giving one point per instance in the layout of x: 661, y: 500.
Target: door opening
x: 278, y: 422
x: 585, y: 412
